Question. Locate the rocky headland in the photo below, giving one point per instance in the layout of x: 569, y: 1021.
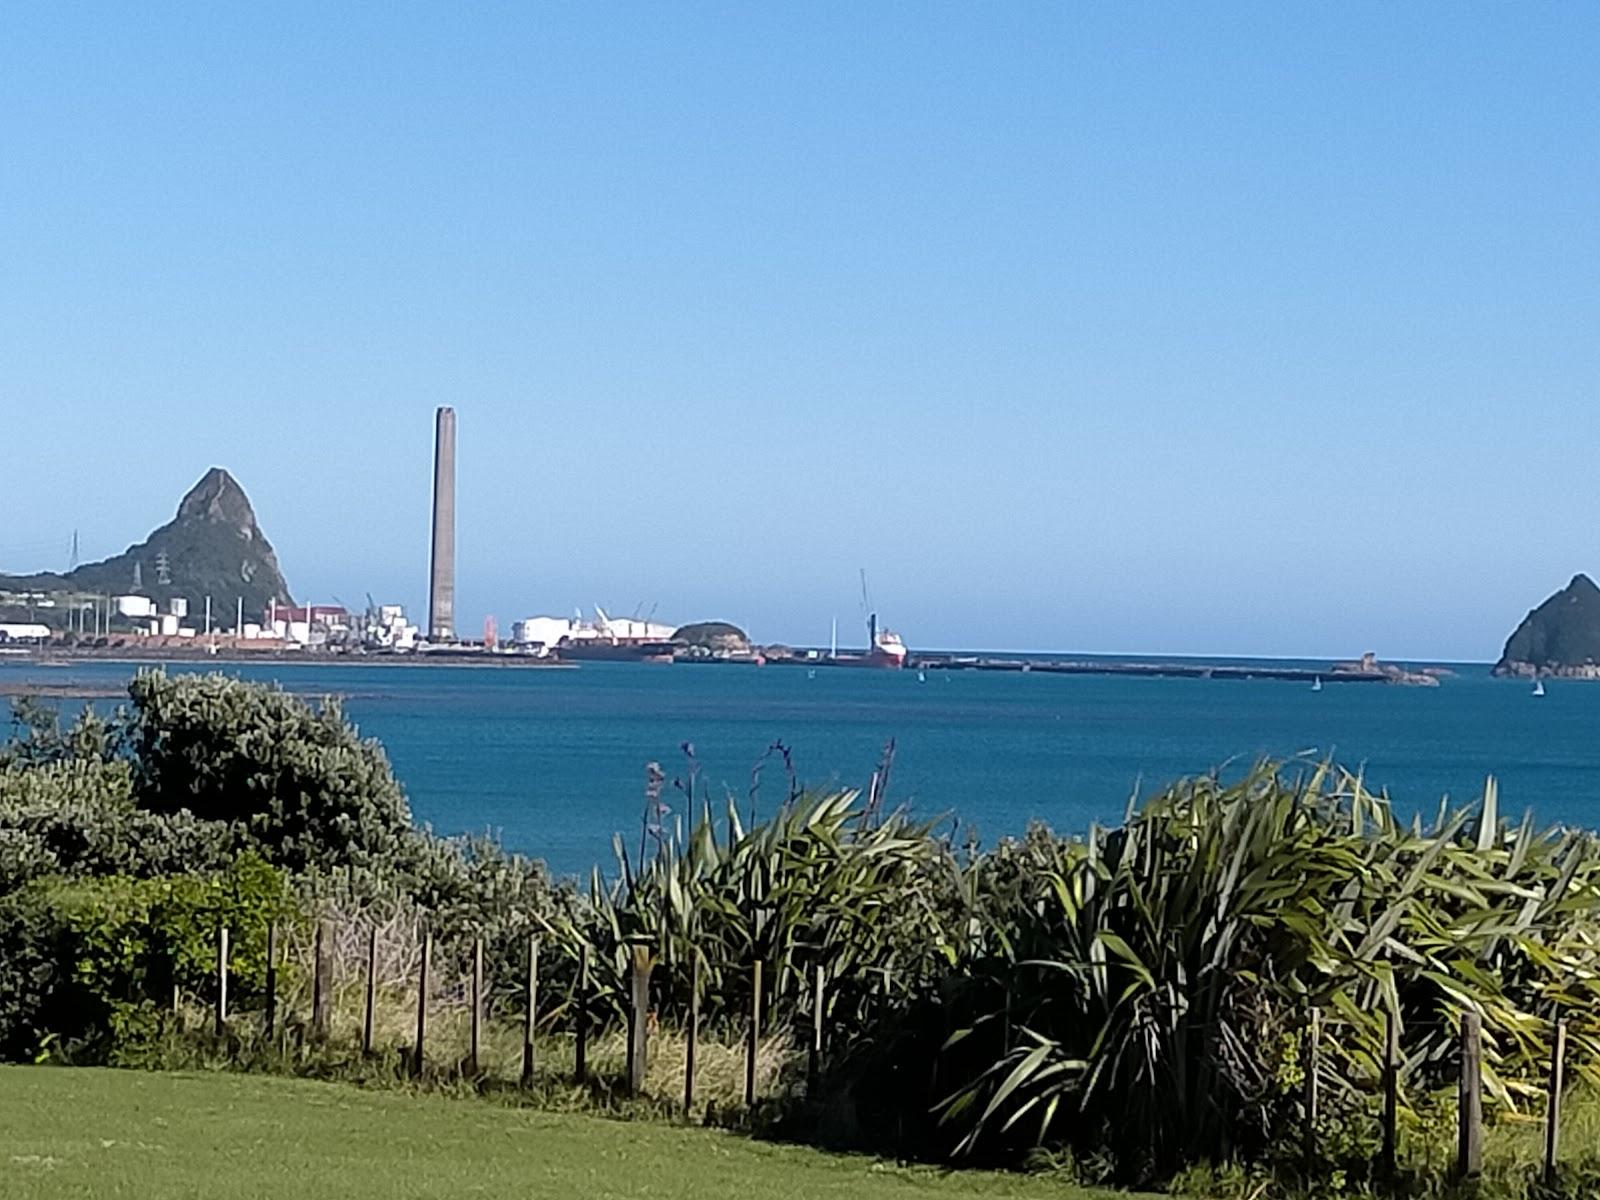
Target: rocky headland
x: 1560, y: 638
x: 212, y: 547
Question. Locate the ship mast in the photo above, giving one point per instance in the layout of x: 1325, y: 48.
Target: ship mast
x: 872, y: 617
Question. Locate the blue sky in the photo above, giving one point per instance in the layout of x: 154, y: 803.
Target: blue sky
x: 1171, y: 328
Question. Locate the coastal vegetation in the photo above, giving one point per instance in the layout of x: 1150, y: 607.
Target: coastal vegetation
x: 1150, y: 1005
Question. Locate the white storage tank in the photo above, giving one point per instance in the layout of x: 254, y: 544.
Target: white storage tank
x: 136, y: 607
x: 541, y: 631
x: 21, y: 631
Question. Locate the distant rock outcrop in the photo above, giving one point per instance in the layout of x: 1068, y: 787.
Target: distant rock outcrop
x: 1560, y: 637
x: 213, y: 547
x: 1368, y: 667
x: 716, y: 637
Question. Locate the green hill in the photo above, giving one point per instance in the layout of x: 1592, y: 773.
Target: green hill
x: 213, y: 547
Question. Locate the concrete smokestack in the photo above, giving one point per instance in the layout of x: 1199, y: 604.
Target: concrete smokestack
x: 442, y: 579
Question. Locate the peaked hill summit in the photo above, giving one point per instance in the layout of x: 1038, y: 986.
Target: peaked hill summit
x: 1560, y: 637
x: 213, y: 547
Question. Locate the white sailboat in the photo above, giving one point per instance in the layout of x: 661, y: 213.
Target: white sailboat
x: 1316, y: 684
x: 1538, y: 687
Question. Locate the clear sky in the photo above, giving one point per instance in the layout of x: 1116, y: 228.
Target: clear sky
x: 1267, y: 329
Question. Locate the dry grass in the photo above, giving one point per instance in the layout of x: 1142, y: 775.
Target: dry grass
x: 719, y: 1062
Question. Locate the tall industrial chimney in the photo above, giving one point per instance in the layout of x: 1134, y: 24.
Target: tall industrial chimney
x: 442, y: 579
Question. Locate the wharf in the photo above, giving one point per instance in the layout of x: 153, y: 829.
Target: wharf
x: 1151, y: 670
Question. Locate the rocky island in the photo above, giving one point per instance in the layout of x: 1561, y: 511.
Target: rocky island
x: 1369, y: 667
x: 1559, y: 638
x: 713, y: 639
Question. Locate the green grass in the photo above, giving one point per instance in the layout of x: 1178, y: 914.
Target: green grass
x: 69, y: 1132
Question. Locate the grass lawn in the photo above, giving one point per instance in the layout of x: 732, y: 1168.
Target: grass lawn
x: 67, y: 1132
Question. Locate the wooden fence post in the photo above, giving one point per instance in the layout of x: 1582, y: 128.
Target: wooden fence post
x: 1469, y: 1099
x: 638, y: 1018
x: 321, y: 984
x: 690, y: 1042
x: 418, y: 1058
x: 369, y: 1017
x: 222, y: 980
x: 1391, y: 1094
x: 580, y: 1049
x: 475, y: 1045
x: 753, y: 1044
x: 474, y: 1055
x: 814, y: 1058
x: 272, y: 980
x: 1552, y: 1112
x: 1005, y: 1031
x: 530, y: 1009
x: 177, y: 992
x: 1313, y: 1095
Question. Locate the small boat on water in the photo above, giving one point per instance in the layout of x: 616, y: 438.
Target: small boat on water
x: 1316, y: 684
x: 1538, y: 687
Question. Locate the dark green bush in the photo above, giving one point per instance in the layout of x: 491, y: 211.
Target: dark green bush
x: 299, y: 783
x: 85, y: 957
x: 77, y: 817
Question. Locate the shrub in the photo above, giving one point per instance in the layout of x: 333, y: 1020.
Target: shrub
x: 1158, y: 973
x: 877, y: 906
x: 85, y: 956
x: 77, y: 817
x: 298, y: 783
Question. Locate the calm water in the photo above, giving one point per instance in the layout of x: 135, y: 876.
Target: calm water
x: 553, y: 761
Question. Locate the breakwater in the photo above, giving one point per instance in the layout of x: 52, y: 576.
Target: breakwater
x: 1165, y: 670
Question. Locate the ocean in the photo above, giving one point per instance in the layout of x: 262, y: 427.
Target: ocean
x: 552, y: 762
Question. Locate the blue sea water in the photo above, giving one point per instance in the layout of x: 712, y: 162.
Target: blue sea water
x: 553, y: 761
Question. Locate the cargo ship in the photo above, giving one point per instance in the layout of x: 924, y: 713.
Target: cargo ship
x: 619, y: 650
x: 885, y: 649
x: 608, y: 640
x: 572, y: 639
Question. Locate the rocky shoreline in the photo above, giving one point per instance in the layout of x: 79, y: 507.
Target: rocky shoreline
x: 1528, y: 670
